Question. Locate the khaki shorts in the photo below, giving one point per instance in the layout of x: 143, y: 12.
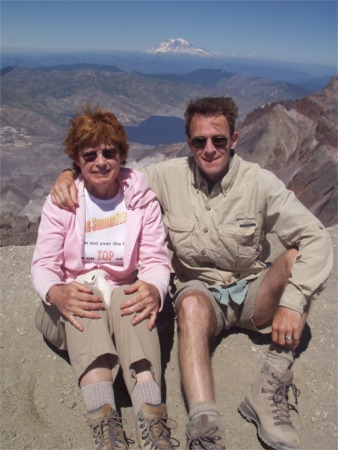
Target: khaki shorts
x: 231, y: 315
x: 113, y: 334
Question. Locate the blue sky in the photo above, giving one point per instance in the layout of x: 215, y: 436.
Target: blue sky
x: 289, y: 31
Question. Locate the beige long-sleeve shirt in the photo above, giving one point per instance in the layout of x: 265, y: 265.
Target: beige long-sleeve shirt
x: 218, y: 236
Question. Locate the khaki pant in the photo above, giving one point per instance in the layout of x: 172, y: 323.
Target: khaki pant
x: 113, y: 334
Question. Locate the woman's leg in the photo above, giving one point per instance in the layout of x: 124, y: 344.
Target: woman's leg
x: 139, y: 354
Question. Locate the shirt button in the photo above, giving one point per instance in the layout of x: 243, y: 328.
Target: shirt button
x: 203, y: 252
x: 205, y: 230
x: 208, y: 208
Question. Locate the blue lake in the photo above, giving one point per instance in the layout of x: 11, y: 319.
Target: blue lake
x: 157, y: 130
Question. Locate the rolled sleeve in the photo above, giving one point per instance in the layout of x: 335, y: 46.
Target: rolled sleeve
x: 298, y: 228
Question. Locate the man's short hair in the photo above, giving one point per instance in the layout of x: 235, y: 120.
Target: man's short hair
x: 210, y: 106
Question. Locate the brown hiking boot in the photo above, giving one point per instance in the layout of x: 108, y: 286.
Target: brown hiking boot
x: 266, y: 405
x: 202, y: 434
x: 107, y: 429
x: 153, y: 427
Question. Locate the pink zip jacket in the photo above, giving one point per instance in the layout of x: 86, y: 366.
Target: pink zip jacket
x: 60, y: 244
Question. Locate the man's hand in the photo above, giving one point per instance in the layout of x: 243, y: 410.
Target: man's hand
x: 64, y: 191
x: 286, y: 323
x: 145, y: 303
x: 75, y: 299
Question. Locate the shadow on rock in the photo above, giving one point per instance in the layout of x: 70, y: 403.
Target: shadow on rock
x: 265, y: 339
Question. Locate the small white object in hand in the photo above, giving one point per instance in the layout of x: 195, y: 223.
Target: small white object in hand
x: 97, y: 279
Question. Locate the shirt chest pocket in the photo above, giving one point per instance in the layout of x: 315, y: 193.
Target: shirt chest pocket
x: 179, y: 231
x: 242, y: 238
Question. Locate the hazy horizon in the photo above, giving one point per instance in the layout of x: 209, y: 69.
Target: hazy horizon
x: 290, y: 32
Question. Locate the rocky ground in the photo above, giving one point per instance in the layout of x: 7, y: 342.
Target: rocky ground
x: 41, y: 407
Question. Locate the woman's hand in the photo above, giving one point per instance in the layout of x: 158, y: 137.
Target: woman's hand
x: 145, y: 302
x: 75, y: 299
x: 64, y: 191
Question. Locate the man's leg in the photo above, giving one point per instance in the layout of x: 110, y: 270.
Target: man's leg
x: 196, y: 329
x: 266, y: 404
x: 272, y: 287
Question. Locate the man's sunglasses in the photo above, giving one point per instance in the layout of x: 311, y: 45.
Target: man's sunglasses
x: 218, y: 141
x: 107, y: 153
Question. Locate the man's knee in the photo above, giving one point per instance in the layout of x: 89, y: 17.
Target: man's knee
x: 271, y: 287
x: 192, y: 307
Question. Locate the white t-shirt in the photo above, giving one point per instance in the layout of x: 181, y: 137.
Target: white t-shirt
x: 105, y: 229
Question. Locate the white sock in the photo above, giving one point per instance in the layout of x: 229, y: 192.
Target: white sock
x: 98, y: 394
x: 145, y: 392
x: 209, y: 408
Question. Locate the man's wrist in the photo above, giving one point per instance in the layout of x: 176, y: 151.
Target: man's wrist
x: 74, y: 171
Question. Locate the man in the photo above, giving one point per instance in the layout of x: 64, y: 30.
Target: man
x: 218, y: 209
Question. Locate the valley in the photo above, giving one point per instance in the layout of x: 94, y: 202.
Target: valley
x: 284, y: 127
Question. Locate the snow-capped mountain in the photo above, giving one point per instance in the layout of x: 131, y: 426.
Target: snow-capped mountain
x: 180, y: 46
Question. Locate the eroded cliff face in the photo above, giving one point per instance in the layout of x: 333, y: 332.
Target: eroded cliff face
x: 297, y: 140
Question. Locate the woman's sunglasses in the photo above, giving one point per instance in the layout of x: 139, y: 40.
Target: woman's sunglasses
x: 107, y: 153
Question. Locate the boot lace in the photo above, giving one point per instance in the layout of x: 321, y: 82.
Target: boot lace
x: 206, y: 440
x: 156, y: 433
x: 114, y: 426
x: 280, y: 398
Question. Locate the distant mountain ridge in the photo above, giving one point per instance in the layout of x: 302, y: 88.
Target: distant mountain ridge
x: 174, y: 63
x: 295, y: 136
x: 42, y: 100
x: 180, y: 46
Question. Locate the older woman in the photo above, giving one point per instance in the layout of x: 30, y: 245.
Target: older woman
x: 103, y: 272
